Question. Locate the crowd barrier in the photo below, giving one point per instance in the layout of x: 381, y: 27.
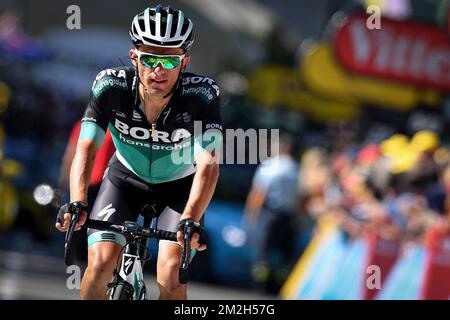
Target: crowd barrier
x: 336, y: 267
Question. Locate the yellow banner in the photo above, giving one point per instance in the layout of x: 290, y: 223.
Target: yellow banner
x: 278, y: 86
x: 5, y: 94
x: 296, y: 280
x: 321, y: 73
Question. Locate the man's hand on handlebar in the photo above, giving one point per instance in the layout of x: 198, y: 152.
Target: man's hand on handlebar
x: 197, y: 239
x: 64, y: 216
x: 194, y: 241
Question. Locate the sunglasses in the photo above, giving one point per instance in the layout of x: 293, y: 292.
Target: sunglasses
x: 152, y: 60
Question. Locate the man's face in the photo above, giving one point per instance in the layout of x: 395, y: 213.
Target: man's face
x: 158, y: 81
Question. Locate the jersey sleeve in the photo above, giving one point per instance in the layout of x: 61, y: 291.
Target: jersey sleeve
x: 210, y: 137
x: 98, y: 111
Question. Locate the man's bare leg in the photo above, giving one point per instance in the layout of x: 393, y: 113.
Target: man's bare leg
x: 168, y: 265
x: 102, y: 259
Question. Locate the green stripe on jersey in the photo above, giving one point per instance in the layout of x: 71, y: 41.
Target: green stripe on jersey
x: 92, y: 131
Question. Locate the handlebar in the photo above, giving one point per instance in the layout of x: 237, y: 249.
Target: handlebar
x: 131, y: 230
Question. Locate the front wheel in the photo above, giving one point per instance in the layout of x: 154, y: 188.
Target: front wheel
x: 143, y: 294
x: 121, y: 291
x: 184, y: 276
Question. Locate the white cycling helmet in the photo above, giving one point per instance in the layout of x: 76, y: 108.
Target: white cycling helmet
x: 162, y: 27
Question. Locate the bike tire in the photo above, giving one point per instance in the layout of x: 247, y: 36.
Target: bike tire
x: 122, y: 291
x: 184, y: 276
x: 69, y: 254
x: 143, y: 294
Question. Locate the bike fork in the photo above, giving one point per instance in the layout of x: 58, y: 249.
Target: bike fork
x: 130, y: 274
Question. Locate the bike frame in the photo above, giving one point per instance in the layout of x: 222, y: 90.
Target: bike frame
x: 130, y: 276
x: 131, y: 269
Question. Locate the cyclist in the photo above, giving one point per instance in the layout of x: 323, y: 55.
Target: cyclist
x: 152, y: 111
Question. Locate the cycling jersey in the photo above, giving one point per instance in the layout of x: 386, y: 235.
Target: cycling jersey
x: 165, y: 152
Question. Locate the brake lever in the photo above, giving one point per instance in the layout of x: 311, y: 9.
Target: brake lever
x: 71, y: 229
x: 69, y: 234
x: 187, y: 247
x: 186, y: 254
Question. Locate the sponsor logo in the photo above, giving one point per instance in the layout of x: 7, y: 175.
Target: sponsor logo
x: 107, y: 212
x: 100, y: 86
x: 400, y: 51
x: 111, y: 72
x: 128, y: 265
x: 175, y: 146
x: 213, y: 126
x: 187, y: 117
x: 89, y: 119
x: 136, y: 116
x: 198, y: 80
x: 156, y: 136
x: 205, y: 92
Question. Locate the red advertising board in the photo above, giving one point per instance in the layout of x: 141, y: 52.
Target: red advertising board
x: 436, y: 282
x: 409, y: 52
x: 448, y: 22
x: 382, y: 253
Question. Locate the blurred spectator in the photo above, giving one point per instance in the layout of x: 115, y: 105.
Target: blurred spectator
x: 101, y: 162
x: 398, y: 187
x: 14, y: 42
x: 270, y: 211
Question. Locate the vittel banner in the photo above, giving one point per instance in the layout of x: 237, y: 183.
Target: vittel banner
x: 403, y: 51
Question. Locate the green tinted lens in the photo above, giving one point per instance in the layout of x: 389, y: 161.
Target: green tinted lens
x: 171, y: 62
x: 166, y: 62
x: 149, y: 61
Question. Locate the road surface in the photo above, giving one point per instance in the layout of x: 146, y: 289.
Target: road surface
x: 38, y: 277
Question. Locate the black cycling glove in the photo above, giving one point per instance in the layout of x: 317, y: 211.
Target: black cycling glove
x: 70, y: 208
x: 197, y: 228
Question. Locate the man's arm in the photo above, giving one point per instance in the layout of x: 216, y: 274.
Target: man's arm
x: 203, y: 186
x: 202, y: 190
x: 207, y: 150
x: 80, y: 175
x: 81, y: 170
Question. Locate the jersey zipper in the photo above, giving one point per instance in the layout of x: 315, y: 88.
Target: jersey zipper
x: 153, y: 128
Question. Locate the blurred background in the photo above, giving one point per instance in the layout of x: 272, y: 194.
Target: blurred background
x: 359, y: 207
